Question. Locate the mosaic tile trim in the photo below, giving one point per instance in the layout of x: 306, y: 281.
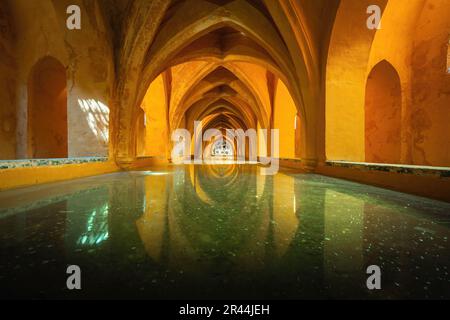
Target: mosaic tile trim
x: 28, y: 163
x: 443, y: 172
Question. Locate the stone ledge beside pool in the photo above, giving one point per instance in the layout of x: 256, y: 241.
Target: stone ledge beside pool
x: 443, y: 172
x: 27, y: 163
x: 292, y: 163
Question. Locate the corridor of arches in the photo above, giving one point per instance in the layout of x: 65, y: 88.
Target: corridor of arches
x: 354, y: 120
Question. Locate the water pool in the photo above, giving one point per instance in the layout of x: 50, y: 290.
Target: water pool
x: 224, y: 232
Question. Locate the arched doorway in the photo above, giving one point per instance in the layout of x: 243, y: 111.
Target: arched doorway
x: 47, y: 110
x: 383, y: 115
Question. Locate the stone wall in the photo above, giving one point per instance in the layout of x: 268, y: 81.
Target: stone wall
x: 7, y: 85
x: 414, y: 39
x: 37, y: 29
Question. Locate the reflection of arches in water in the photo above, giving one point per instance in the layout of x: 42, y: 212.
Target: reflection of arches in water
x: 208, y: 179
x: 224, y: 180
x: 92, y: 228
x: 179, y: 225
x: 241, y: 225
x: 226, y: 173
x: 229, y: 205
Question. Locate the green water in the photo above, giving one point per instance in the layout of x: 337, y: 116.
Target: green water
x: 221, y: 232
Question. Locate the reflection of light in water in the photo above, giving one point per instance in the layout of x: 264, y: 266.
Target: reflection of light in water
x: 295, y: 204
x: 284, y: 213
x: 344, y: 232
x: 152, y: 173
x: 97, y: 117
x: 96, y: 227
x: 144, y: 204
x: 197, y: 187
x: 189, y: 239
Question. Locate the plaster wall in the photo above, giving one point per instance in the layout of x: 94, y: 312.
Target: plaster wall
x: 346, y: 75
x: 155, y: 107
x: 87, y: 57
x: 430, y: 111
x: 383, y: 115
x: 7, y: 84
x: 285, y: 114
x: 414, y: 39
x: 47, y: 110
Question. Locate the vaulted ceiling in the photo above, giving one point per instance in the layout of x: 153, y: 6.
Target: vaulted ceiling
x: 221, y: 59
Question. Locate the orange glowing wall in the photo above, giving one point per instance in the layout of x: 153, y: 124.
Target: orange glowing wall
x: 140, y: 134
x: 262, y: 142
x: 430, y: 113
x: 346, y: 75
x: 155, y: 107
x: 7, y: 84
x: 285, y: 118
x: 383, y: 115
x: 413, y: 40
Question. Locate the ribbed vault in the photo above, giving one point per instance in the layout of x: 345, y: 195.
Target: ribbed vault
x: 221, y: 61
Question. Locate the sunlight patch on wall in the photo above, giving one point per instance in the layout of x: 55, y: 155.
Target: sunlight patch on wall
x: 448, y: 57
x: 97, y: 116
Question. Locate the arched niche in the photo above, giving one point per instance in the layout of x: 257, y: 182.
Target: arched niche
x: 47, y: 110
x: 383, y: 115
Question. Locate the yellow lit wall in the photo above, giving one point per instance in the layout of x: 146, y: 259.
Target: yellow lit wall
x: 285, y: 114
x: 346, y: 75
x: 394, y: 43
x: 27, y: 176
x: 155, y: 108
x: 414, y: 39
x: 262, y: 141
x: 141, y: 134
x: 430, y: 114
